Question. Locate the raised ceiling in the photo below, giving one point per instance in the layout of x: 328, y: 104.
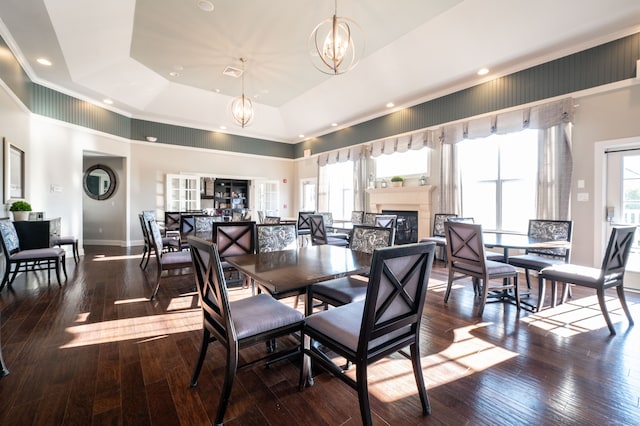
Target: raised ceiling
x: 163, y: 60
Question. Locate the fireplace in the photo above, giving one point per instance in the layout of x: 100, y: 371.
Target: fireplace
x: 406, y: 225
x: 407, y: 198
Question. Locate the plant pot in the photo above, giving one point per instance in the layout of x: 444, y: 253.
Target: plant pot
x: 20, y: 216
x: 396, y: 184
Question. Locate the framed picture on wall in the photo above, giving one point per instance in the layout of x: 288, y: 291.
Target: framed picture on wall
x: 14, y: 183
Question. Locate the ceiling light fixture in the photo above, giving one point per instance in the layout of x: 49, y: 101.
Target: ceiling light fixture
x: 44, y: 61
x: 242, y: 107
x: 336, y: 44
x: 483, y: 71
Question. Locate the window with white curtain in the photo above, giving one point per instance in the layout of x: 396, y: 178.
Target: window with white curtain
x: 498, y: 180
x: 335, y: 192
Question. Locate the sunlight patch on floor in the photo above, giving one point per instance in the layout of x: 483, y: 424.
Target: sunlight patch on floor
x: 466, y: 355
x: 577, y: 316
x: 145, y: 327
x: 105, y: 258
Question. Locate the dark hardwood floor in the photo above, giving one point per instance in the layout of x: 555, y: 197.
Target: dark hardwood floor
x: 96, y: 351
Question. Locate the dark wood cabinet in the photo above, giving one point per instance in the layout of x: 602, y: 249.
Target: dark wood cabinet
x: 35, y: 234
x: 231, y: 194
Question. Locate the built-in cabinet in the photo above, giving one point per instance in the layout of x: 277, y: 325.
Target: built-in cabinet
x: 223, y: 195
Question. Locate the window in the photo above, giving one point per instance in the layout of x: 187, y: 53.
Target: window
x: 336, y: 189
x: 268, y: 197
x: 308, y: 195
x: 403, y: 164
x: 498, y: 180
x: 631, y: 194
x: 183, y: 193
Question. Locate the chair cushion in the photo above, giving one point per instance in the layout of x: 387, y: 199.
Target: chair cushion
x: 343, y: 323
x: 575, y: 274
x: 36, y: 254
x: 175, y: 258
x: 65, y: 240
x: 440, y: 241
x: 337, y: 242
x: 496, y: 257
x: 343, y: 290
x: 257, y: 314
x: 493, y: 268
x: 531, y: 261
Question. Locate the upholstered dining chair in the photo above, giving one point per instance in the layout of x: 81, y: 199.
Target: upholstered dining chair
x: 369, y: 219
x: 168, y: 243
x: 357, y: 216
x: 234, y: 239
x: 304, y: 226
x: 609, y: 275
x: 238, y: 324
x: 276, y: 237
x: 386, y: 220
x: 387, y: 321
x: 437, y: 232
x: 270, y: 220
x: 17, y: 260
x: 172, y: 221
x: 319, y: 234
x: 467, y: 259
x: 165, y: 260
x: 353, y: 288
x: 536, y: 259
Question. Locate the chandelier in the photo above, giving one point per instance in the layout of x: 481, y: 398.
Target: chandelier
x: 241, y: 106
x: 334, y: 49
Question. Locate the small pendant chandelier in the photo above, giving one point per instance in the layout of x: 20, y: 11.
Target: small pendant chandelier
x: 334, y: 49
x: 242, y: 107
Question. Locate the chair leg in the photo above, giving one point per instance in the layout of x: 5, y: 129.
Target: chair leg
x: 623, y: 303
x: 526, y: 275
x: 5, y: 278
x: 157, y: 285
x: 363, y: 393
x: 483, y: 298
x: 417, y: 372
x: 64, y: 266
x: 541, y: 291
x: 57, y: 268
x: 144, y: 255
x: 449, y: 284
x: 229, y: 376
x: 203, y: 352
x: 15, y: 272
x: 76, y: 253
x: 605, y: 312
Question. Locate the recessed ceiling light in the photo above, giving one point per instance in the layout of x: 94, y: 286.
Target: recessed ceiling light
x: 108, y: 101
x: 223, y: 127
x: 205, y: 5
x: 44, y: 61
x: 174, y: 74
x: 483, y: 71
x: 334, y: 124
x: 301, y: 135
x: 390, y: 105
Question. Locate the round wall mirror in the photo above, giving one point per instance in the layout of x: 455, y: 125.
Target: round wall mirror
x: 99, y: 182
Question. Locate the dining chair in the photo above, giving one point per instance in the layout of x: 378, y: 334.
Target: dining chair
x: 609, y: 275
x: 536, y: 259
x: 172, y: 221
x: 304, y: 226
x: 319, y: 234
x: 234, y: 239
x: 165, y: 260
x: 369, y: 219
x: 169, y: 243
x: 68, y: 240
x: 203, y: 227
x: 385, y: 322
x: 353, y: 288
x: 357, y: 216
x: 270, y: 220
x: 437, y: 232
x: 466, y: 254
x: 276, y: 237
x: 237, y: 324
x: 386, y: 220
x: 16, y: 260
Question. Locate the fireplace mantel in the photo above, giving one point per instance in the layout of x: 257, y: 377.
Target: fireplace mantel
x: 405, y: 198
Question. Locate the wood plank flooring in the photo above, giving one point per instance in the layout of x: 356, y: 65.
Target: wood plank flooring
x: 96, y: 351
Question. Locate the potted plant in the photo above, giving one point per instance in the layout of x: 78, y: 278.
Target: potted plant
x: 397, y: 181
x: 20, y: 210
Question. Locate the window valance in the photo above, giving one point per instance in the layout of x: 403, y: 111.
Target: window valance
x: 536, y: 117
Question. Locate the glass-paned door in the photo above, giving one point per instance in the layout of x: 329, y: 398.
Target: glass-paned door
x: 183, y: 193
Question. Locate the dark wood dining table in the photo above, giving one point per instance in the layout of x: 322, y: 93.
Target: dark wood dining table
x: 290, y: 272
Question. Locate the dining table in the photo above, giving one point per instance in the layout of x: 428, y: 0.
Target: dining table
x: 510, y: 241
x: 290, y: 272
